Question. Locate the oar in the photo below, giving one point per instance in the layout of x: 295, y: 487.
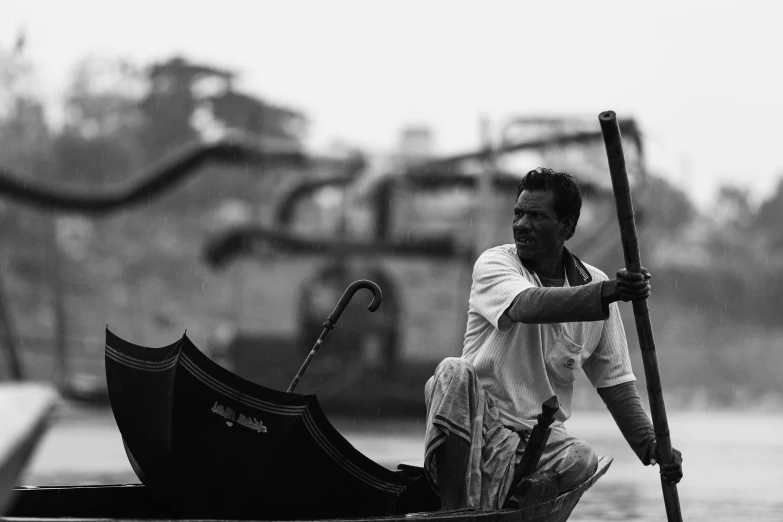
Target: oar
x: 641, y: 313
x: 377, y: 298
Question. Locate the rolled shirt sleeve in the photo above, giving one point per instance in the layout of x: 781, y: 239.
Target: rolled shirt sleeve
x: 495, y: 286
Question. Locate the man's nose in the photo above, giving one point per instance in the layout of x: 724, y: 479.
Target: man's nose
x: 522, y: 223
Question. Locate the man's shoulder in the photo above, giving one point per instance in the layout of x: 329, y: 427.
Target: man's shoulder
x: 506, y: 254
x: 501, y: 259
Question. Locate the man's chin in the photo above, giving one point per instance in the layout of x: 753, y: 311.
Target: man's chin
x: 526, y: 253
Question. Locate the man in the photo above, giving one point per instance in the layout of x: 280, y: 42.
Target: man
x: 537, y: 316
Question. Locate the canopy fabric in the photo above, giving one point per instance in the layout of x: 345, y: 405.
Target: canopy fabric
x: 216, y: 445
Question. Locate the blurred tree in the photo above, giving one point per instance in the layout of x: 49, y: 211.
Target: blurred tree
x: 731, y: 236
x: 25, y: 149
x: 103, y: 97
x: 24, y: 135
x: 100, y: 138
x: 733, y: 208
x: 119, y: 117
x: 769, y: 218
x: 667, y: 209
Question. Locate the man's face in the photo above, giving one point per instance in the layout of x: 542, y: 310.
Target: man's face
x: 538, y: 233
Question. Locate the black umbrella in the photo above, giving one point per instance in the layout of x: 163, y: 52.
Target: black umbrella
x: 219, y: 446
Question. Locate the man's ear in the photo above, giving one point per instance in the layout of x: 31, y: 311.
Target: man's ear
x: 569, y: 227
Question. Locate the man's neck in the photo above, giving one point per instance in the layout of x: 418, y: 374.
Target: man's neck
x: 551, y: 268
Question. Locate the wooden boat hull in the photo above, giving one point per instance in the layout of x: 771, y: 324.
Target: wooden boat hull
x: 135, y: 502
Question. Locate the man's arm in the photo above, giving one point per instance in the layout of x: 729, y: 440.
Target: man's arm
x: 625, y: 405
x: 588, y: 302
x: 559, y: 305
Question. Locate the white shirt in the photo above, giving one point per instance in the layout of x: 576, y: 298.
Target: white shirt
x: 522, y: 365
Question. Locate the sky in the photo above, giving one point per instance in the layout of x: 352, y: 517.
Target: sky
x: 703, y: 78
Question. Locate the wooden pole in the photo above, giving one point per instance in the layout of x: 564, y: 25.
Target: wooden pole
x: 625, y: 216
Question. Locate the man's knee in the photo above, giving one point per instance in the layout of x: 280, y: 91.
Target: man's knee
x: 586, y: 456
x: 451, y: 367
x: 453, y: 381
x: 580, y: 464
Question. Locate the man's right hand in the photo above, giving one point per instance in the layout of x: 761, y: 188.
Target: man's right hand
x: 671, y: 472
x: 629, y: 286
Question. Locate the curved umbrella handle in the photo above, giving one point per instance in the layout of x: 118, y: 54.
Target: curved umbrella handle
x: 377, y: 298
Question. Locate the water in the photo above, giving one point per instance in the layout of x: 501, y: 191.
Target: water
x: 733, y: 465
x: 733, y: 462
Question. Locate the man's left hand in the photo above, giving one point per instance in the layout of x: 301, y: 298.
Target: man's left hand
x: 632, y: 286
x: 671, y: 472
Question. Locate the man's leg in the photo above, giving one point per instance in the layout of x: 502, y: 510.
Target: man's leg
x: 573, y: 459
x: 469, y: 454
x: 452, y: 459
x: 450, y: 396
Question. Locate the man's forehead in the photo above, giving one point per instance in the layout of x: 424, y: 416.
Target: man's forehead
x: 536, y: 198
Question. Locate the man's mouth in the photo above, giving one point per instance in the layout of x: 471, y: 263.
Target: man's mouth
x: 524, y: 240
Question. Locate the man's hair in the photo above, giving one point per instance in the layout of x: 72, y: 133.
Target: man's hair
x: 568, y: 196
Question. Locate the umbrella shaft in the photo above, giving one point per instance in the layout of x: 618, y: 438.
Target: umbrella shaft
x: 310, y: 356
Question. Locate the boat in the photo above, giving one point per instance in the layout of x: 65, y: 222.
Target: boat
x: 135, y: 501
x: 25, y: 410
x: 212, y: 489
x: 207, y: 444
